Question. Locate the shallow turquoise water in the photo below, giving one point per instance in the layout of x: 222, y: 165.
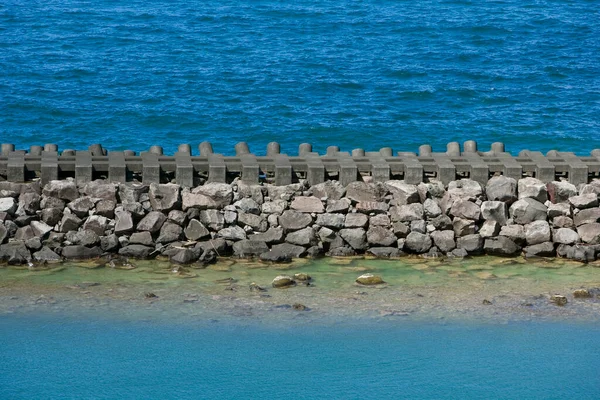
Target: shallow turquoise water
x: 52, y: 358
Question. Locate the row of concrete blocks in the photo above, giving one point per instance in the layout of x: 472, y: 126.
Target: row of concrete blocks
x: 413, y: 169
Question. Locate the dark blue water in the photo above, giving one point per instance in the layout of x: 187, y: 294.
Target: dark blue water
x: 44, y: 358
x: 350, y: 73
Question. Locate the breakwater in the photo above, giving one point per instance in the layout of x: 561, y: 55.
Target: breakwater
x: 456, y: 204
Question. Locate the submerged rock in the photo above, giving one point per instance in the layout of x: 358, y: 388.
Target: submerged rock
x: 558, y: 299
x: 369, y: 279
x: 283, y: 281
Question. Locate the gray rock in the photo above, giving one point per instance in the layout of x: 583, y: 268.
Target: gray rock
x: 537, y: 232
x: 559, y: 209
x: 29, y: 203
x: 256, y: 222
x: 501, y: 188
x: 355, y: 237
x: 401, y: 230
x: 380, y: 236
x: 40, y: 229
x: 8, y: 205
x: 144, y: 238
x: 81, y: 252
x: 343, y: 251
x: 248, y: 205
x: 64, y: 190
x: 184, y: 256
x: 164, y: 197
x: 338, y: 206
x: 304, y: 237
x: 581, y: 253
x: 219, y: 246
x: 379, y: 220
x: 466, y: 210
x: 131, y: 192
x: 307, y: 204
x: 418, y: 242
x: 15, y: 253
x: 331, y: 190
x: 274, y: 207
x: 593, y: 187
x: 444, y: 240
x: 106, y: 208
x: 232, y: 233
x: 560, y: 191
x: 272, y: 235
x: 52, y: 202
x: 403, y: 192
x: 465, y: 189
x: 362, y: 191
x: 83, y: 237
x: 252, y: 191
x: 212, y: 219
x: 527, y: 210
x: 288, y: 249
x: 431, y: 209
x: 33, y: 244
x: 195, y: 230
x: 565, y: 236
x: 385, y: 252
x: 3, y: 233
x: 458, y: 253
x: 407, y: 213
x: 335, y: 221
x: 532, y: 188
x: 97, y: 224
x: 152, y: 222
x: 327, y: 235
x: 562, y: 222
x: 169, y: 232
x: 100, y: 189
x: 442, y: 223
x: 463, y: 227
x: 368, y: 207
x: 81, y: 206
x: 136, y: 251
x: 292, y: 220
x: 489, y: 229
x: 109, y: 243
x: 356, y: 220
x: 514, y: 232
x: 136, y: 209
x: 284, y: 192
x: 220, y: 194
x: 69, y: 222
x: 249, y: 248
x: 589, y: 233
x: 473, y: 244
x: 587, y: 216
x: 584, y: 201
x: 24, y: 233
x: 123, y: 223
x: 434, y: 188
x: 45, y: 254
x: 178, y: 217
x: 545, y: 249
x: 501, y: 246
x: 418, y: 226
x: 495, y: 211
x: 51, y: 216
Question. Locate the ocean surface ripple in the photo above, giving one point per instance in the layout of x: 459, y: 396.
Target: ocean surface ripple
x: 355, y: 74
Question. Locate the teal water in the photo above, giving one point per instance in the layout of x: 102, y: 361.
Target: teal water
x: 348, y: 73
x: 46, y: 358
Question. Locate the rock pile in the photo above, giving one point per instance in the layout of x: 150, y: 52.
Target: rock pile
x: 277, y: 223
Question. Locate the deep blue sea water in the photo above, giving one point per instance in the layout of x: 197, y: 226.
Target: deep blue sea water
x: 49, y: 358
x: 349, y: 73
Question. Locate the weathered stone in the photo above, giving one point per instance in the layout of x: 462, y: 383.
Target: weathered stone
x: 15, y: 253
x: 152, y: 222
x: 589, y: 233
x: 401, y: 230
x: 362, y: 191
x: 292, y: 220
x: 561, y: 191
x: 380, y: 236
x: 501, y: 246
x: 81, y: 206
x: 335, y: 221
x: 458, y: 253
x: 559, y: 209
x: 252, y: 191
x: 184, y: 256
x: 418, y: 242
x: 356, y: 220
x: 403, y: 192
x: 284, y: 192
x: 24, y: 220
x: 100, y: 189
x: 545, y: 249
x: 96, y: 223
x: 495, y: 211
x: 442, y: 223
x: 489, y: 229
x: 465, y: 210
x: 106, y: 208
x: 307, y: 204
x: 473, y: 244
x: 465, y: 189
x: 123, y: 223
x: 344, y: 251
x: 45, y: 254
x: 537, y: 232
x: 274, y: 207
x: 587, y: 216
x: 303, y: 237
x: 369, y: 279
x: 81, y: 252
x: 169, y: 232
x: 144, y: 238
x: 582, y: 294
x: 218, y: 245
x: 527, y: 210
x: 54, y: 240
x: 331, y: 190
x: 249, y: 248
x: 418, y: 226
x: 29, y: 203
x: 40, y: 229
x: 196, y: 200
x: 256, y: 222
x: 562, y: 222
x: 220, y: 194
x: 355, y: 237
x: 230, y: 216
x: 24, y: 233
x: 581, y: 253
x: 368, y: 207
x: 565, y: 236
x: 178, y: 217
x: 431, y: 209
x: 131, y: 192
x: 379, y: 220
x: 52, y: 202
x: 109, y: 243
x: 195, y: 230
x: 407, y: 213
x: 136, y: 209
x: 33, y: 244
x: 10, y: 189
x: 8, y: 205
x: 83, y: 237
x: 532, y: 188
x: 444, y: 240
x: 385, y: 252
x: 283, y: 252
x: 232, y: 233
x: 514, y: 232
x: 136, y: 251
x: 3, y: 233
x: 164, y: 197
x: 283, y: 281
x: 64, y: 190
x: 558, y: 299
x: 463, y: 227
x: 338, y: 206
x: 248, y: 205
x: 327, y: 235
x: 584, y: 201
x: 272, y: 235
x: 501, y: 188
x: 593, y: 187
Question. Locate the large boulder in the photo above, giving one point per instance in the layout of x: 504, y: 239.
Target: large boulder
x: 587, y: 216
x: 330, y: 190
x: 84, y: 237
x: 532, y: 188
x: 494, y: 211
x: 527, y: 210
x: 589, y: 233
x: 466, y: 210
x: 29, y: 203
x: 331, y: 220
x: 356, y: 220
x: 15, y: 252
x: 144, y: 238
x: 248, y: 205
x: 501, y: 246
x: 8, y: 205
x: 537, y: 232
x: 97, y: 224
x: 272, y: 235
x: 292, y: 220
x: 249, y: 248
x: 45, y: 254
x: 584, y: 201
x: 355, y: 237
x: 274, y: 207
x: 82, y: 206
x: 123, y: 222
x: 283, y: 252
x: 64, y: 190
x: 368, y: 207
x: 100, y: 189
x: 501, y: 188
x: 559, y: 209
x: 418, y: 242
x: 362, y: 191
x: 381, y: 236
x: 403, y: 192
x: 71, y: 222
x: 212, y: 219
x: 152, y: 222
x: 545, y: 249
x: 256, y: 222
x: 463, y: 227
x: 444, y: 240
x: 561, y: 191
x: 164, y: 197
x: 516, y: 233
x: 338, y: 206
x: 473, y: 244
x: 232, y: 233
x: 220, y: 194
x: 307, y: 204
x: 431, y: 209
x: 407, y: 213
x: 565, y: 236
x: 303, y: 237
x: 465, y: 189
x: 169, y: 232
x: 81, y: 252
x: 135, y: 251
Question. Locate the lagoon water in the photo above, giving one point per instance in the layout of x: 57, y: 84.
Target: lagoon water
x: 355, y: 74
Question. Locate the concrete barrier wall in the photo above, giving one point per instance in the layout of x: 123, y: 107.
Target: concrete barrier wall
x: 47, y: 163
